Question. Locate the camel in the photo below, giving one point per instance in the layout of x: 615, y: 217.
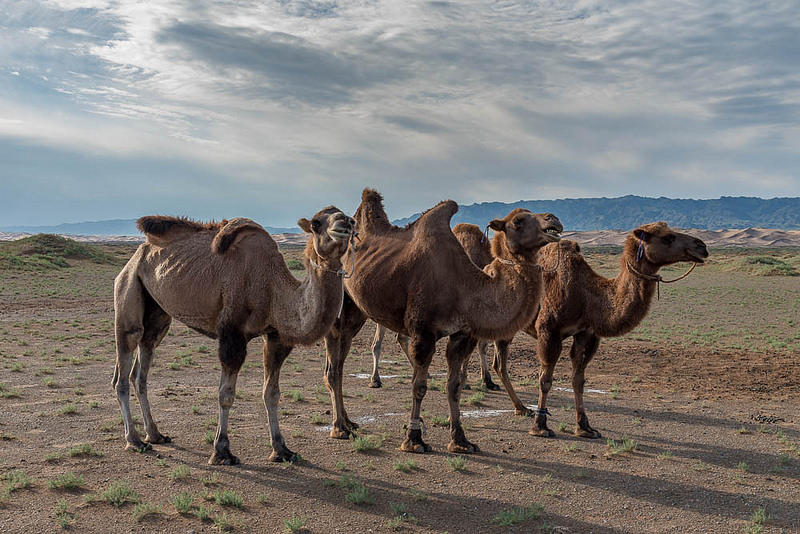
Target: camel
x: 229, y: 282
x: 476, y: 245
x: 581, y: 304
x: 419, y: 282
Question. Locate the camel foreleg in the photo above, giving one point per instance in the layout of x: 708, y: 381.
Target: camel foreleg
x: 275, y: 354
x: 459, y: 348
x: 337, y: 346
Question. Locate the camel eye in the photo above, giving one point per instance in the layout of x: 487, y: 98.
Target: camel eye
x: 668, y: 239
x: 518, y: 221
x: 315, y: 224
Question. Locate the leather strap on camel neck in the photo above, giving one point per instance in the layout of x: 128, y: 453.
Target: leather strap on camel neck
x: 657, y: 277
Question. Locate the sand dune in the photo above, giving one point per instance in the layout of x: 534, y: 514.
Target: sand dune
x: 747, y: 237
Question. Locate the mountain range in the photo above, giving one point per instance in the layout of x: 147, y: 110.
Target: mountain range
x: 577, y: 214
x: 628, y: 212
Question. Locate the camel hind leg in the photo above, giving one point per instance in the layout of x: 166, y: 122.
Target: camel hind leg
x: 232, y: 352
x: 421, y: 346
x: 129, y: 311
x: 486, y: 375
x: 549, y: 349
x: 275, y: 354
x: 377, y: 344
x: 584, y: 347
x: 156, y: 324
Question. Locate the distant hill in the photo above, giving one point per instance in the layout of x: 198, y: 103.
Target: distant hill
x: 577, y: 214
x: 625, y: 213
x: 117, y: 227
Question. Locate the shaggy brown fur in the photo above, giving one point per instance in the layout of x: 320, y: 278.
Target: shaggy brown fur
x: 586, y: 306
x: 477, y: 247
x: 229, y: 281
x: 418, y: 281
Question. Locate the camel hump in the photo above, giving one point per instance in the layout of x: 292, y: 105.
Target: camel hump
x: 474, y: 243
x: 161, y: 225
x: 370, y: 215
x: 232, y: 231
x: 437, y: 218
x: 563, y: 252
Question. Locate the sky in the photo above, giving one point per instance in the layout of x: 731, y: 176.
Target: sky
x: 113, y: 109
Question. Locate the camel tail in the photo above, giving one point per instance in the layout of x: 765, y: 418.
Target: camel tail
x: 231, y: 232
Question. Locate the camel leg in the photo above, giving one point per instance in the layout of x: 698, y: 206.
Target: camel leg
x: 584, y: 347
x: 501, y: 368
x: 129, y: 309
x: 377, y: 344
x: 459, y: 348
x: 275, y: 354
x: 549, y: 349
x: 486, y: 376
x: 232, y: 352
x: 337, y: 346
x: 156, y: 325
x: 421, y: 347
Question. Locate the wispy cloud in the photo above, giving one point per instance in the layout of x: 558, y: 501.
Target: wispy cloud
x: 307, y: 102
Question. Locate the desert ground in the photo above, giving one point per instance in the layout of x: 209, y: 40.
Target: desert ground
x: 699, y: 410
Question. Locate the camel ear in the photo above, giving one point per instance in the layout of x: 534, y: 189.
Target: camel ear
x: 305, y: 225
x: 498, y: 225
x: 642, y: 234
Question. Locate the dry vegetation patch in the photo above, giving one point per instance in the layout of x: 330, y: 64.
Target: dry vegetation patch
x: 703, y: 432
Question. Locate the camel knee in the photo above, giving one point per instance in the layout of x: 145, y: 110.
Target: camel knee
x: 271, y: 395
x: 420, y: 390
x: 226, y: 398
x: 545, y: 383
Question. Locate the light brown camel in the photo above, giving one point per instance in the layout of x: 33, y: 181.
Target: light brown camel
x: 581, y: 304
x: 419, y: 282
x: 228, y: 281
x: 477, y: 248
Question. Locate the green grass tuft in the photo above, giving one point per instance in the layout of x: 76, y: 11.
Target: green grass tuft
x: 512, y: 516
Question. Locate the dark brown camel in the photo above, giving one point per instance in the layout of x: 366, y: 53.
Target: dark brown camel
x: 479, y: 251
x: 229, y: 282
x: 419, y: 282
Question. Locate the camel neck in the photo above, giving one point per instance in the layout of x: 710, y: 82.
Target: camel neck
x: 310, y: 310
x: 631, y: 294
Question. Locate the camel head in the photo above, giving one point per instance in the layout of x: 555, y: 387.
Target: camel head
x: 524, y: 232
x: 330, y: 231
x: 660, y: 245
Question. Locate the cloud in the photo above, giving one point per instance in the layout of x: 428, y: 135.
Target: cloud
x: 423, y: 100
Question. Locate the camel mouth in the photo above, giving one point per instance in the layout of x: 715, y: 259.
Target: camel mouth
x: 552, y: 234
x: 696, y: 258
